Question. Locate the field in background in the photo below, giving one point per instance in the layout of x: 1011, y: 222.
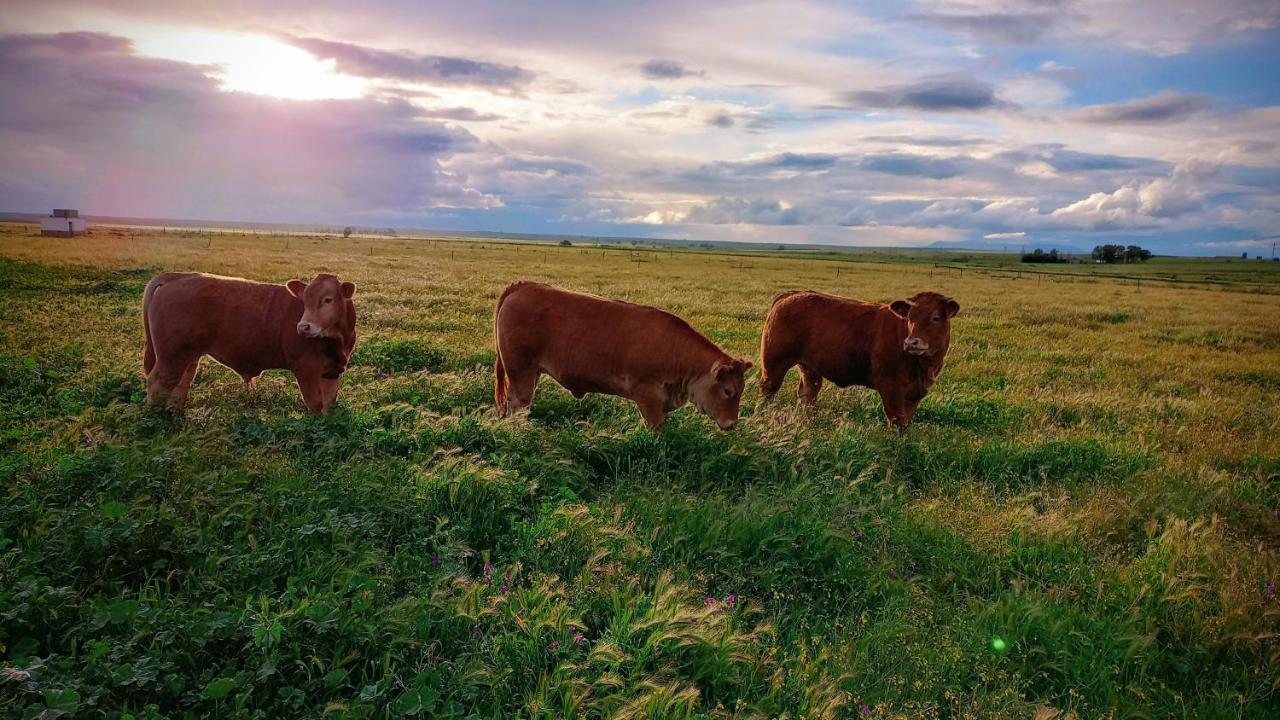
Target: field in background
x: 1094, y: 480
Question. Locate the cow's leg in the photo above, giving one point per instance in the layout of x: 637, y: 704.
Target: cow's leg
x: 521, y: 382
x: 312, y: 394
x: 773, y: 370
x: 250, y: 380
x: 653, y: 407
x: 810, y: 384
x: 184, y: 385
x: 163, y: 381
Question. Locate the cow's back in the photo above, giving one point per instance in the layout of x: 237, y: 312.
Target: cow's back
x: 835, y: 337
x: 591, y: 344
x: 238, y: 322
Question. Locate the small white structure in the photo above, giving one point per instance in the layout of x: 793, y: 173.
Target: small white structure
x: 63, y: 222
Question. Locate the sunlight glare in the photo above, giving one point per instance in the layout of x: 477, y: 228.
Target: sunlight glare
x: 256, y: 64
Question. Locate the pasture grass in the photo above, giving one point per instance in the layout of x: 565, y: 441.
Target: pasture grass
x: 1094, y: 480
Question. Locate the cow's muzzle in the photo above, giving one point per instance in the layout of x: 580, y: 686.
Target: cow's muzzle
x: 727, y: 425
x: 915, y: 346
x: 307, y: 330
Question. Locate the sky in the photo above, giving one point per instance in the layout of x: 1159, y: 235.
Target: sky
x: 1002, y: 124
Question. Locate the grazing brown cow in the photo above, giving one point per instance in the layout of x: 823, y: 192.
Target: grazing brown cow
x: 593, y: 345
x: 307, y: 328
x: 896, y: 349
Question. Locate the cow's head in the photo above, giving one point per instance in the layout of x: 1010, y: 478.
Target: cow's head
x: 325, y: 311
x: 717, y: 393
x: 928, y: 316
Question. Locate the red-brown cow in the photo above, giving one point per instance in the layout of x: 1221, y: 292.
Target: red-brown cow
x: 592, y: 345
x: 307, y: 328
x: 896, y: 349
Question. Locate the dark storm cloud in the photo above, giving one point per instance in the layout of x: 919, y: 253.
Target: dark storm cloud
x: 1015, y: 28
x: 721, y: 120
x: 102, y: 113
x: 460, y: 113
x: 733, y: 211
x: 1167, y: 107
x: 403, y: 65
x: 667, y: 70
x: 911, y: 165
x: 953, y: 93
x: 543, y: 165
x: 780, y: 165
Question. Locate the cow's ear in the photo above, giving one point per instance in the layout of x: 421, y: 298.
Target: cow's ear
x: 744, y: 364
x: 721, y: 370
x: 348, y: 289
x: 900, y: 308
x: 953, y: 307
x: 296, y: 287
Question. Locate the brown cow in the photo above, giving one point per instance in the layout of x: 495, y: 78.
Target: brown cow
x: 307, y: 328
x: 590, y: 344
x: 896, y: 349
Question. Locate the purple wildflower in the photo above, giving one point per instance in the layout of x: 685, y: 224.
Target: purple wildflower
x: 1271, y: 588
x: 554, y: 644
x: 488, y: 569
x: 435, y: 561
x: 506, y: 584
x: 893, y: 574
x: 579, y: 638
x: 865, y: 710
x: 573, y: 628
x: 711, y: 601
x: 730, y: 599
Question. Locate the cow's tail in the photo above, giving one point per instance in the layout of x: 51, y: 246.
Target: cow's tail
x: 500, y: 372
x: 149, y: 350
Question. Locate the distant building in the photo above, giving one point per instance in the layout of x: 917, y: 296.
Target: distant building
x: 63, y: 222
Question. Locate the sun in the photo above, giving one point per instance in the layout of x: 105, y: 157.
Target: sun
x: 255, y: 64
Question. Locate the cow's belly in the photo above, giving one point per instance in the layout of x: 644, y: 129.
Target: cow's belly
x: 579, y: 384
x: 846, y: 371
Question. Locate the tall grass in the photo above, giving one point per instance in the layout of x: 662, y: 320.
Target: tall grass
x: 1093, y: 481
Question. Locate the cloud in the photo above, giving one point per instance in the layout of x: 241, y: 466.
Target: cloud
x: 721, y: 120
x: 1166, y: 107
x: 464, y: 114
x: 125, y: 134
x: 911, y: 165
x: 951, y: 93
x: 1139, y: 204
x: 411, y: 67
x: 1004, y: 235
x: 726, y: 211
x: 1016, y: 28
x: 668, y: 70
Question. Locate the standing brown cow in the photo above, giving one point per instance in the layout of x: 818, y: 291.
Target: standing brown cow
x: 896, y: 349
x: 307, y: 328
x: 593, y: 345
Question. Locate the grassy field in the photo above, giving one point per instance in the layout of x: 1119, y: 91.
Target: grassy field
x: 1085, y: 517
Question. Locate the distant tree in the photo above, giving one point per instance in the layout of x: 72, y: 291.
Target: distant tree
x: 346, y: 231
x: 1040, y: 256
x: 1120, y: 253
x: 565, y: 243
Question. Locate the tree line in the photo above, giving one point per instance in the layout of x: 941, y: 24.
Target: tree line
x: 1101, y: 253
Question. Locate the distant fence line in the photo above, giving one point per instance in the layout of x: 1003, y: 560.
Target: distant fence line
x: 737, y: 260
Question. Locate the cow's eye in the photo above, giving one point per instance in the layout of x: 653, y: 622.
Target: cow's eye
x: 937, y: 318
x: 728, y: 392
x: 328, y: 300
